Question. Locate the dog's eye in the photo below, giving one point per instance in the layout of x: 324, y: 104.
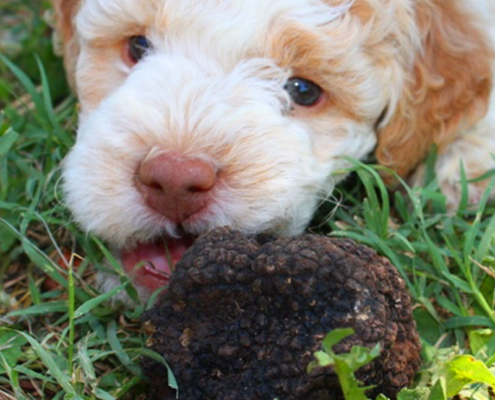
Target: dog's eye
x: 303, y: 92
x: 138, y: 47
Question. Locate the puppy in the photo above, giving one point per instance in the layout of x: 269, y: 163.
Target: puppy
x: 203, y: 113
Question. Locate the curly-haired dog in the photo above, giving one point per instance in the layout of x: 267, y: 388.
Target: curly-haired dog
x: 204, y: 113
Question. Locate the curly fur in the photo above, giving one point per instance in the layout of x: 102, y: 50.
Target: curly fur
x: 399, y: 76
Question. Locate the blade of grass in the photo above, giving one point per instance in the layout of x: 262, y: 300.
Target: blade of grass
x: 84, y: 359
x: 14, y: 379
x: 127, y: 386
x: 59, y: 306
x: 72, y: 326
x: 463, y: 203
x: 474, y: 231
x: 172, y: 381
x: 89, y: 305
x: 52, y: 366
x: 7, y: 140
x: 462, y: 322
x: 29, y: 86
x: 131, y: 291
x: 121, y: 354
x: 33, y: 374
x: 60, y: 134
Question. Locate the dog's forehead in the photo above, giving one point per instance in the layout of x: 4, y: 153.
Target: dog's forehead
x: 240, y: 21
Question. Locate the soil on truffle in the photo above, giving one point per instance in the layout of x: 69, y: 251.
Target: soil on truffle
x: 244, y: 315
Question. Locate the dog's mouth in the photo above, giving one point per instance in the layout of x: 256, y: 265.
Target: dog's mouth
x: 152, y: 264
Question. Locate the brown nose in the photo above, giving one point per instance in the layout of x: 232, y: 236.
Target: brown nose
x: 175, y: 185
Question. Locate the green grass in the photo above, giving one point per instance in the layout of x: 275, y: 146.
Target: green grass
x: 64, y: 341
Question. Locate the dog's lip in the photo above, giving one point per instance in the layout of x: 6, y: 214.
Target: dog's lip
x: 151, y: 264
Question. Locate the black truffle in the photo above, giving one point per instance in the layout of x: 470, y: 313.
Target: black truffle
x: 244, y: 315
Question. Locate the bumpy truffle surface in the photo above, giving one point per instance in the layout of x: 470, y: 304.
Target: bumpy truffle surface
x: 244, y: 315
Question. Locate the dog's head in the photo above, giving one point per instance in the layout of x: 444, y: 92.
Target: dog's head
x: 203, y: 113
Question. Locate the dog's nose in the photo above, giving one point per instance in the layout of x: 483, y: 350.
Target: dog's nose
x: 175, y: 185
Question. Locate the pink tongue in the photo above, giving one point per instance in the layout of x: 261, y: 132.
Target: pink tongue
x: 157, y: 260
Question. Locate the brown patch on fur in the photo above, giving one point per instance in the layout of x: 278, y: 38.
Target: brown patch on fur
x: 305, y: 54
x: 363, y: 10
x: 65, y: 10
x: 99, y: 74
x: 448, y: 90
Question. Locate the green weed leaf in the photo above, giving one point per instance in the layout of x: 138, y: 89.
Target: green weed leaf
x: 420, y: 393
x: 58, y: 306
x: 7, y: 140
x: 465, y: 370
x: 480, y: 339
x: 345, y: 364
x: 335, y: 337
x: 439, y: 391
x: 11, y: 348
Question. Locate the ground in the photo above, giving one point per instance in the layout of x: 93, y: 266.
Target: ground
x: 58, y: 336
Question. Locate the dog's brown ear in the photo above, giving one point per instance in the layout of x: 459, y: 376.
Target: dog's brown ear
x: 65, y: 10
x: 447, y: 89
